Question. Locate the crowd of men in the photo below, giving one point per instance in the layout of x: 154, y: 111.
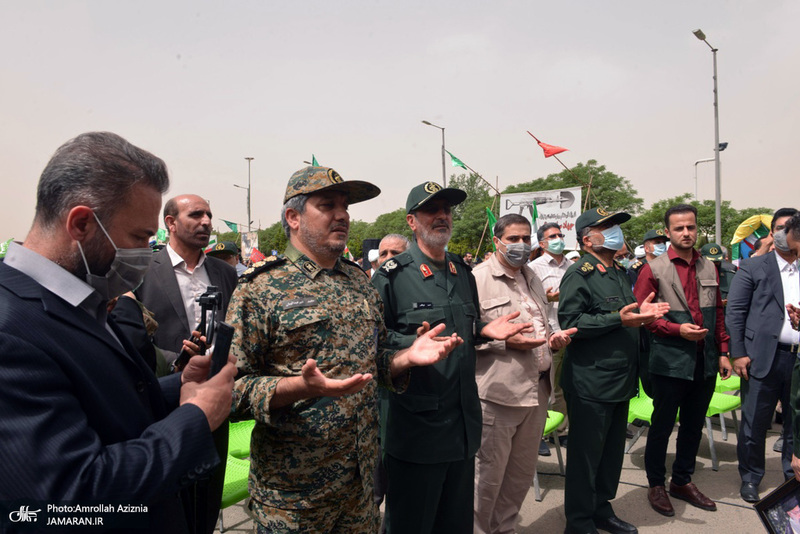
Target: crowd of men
x: 423, y: 381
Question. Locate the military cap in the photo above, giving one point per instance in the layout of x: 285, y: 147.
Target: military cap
x: 655, y: 234
x: 430, y: 190
x: 222, y: 247
x: 316, y: 179
x: 711, y: 251
x: 598, y: 216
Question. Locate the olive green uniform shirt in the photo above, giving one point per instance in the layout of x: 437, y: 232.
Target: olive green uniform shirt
x: 601, y: 362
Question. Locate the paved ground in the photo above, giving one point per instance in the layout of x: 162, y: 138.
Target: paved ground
x: 733, y: 515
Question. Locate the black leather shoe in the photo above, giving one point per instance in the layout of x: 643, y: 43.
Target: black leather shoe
x: 749, y: 492
x: 544, y: 450
x: 778, y: 447
x: 615, y: 525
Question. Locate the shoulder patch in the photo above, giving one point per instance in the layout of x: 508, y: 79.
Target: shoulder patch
x: 259, y: 267
x: 636, y: 266
x: 395, y: 264
x: 586, y: 268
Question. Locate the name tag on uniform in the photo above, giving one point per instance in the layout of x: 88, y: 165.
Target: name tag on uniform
x: 612, y: 299
x: 300, y: 302
x: 423, y: 305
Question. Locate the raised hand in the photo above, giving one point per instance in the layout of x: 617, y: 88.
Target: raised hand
x: 502, y: 328
x: 561, y: 339
x: 649, y: 311
x: 552, y: 294
x: 692, y: 332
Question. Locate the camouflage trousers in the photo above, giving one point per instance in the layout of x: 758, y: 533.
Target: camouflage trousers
x: 355, y: 513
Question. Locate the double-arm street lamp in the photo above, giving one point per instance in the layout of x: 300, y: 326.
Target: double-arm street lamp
x: 444, y: 169
x: 717, y: 184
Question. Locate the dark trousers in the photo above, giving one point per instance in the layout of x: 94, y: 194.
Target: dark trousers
x: 202, y: 501
x: 595, y: 451
x: 759, y: 398
x: 429, y: 498
x: 691, y: 397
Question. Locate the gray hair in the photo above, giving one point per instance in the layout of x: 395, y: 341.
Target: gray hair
x: 399, y: 237
x: 96, y: 169
x: 298, y: 204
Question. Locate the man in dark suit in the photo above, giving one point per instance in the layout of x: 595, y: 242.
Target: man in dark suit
x: 84, y: 419
x: 181, y: 272
x: 178, y: 275
x: 764, y: 349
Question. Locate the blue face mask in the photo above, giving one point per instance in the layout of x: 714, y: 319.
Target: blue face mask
x: 556, y: 246
x: 659, y: 249
x: 613, y: 238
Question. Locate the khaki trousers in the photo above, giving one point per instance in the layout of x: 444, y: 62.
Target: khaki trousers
x: 506, y: 461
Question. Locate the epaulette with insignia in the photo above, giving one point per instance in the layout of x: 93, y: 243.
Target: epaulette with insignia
x: 393, y: 265
x: 586, y: 268
x: 354, y: 264
x: 636, y: 266
x: 259, y: 267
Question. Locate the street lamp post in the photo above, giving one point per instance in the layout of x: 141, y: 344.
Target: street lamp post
x: 249, y: 220
x: 444, y: 168
x: 717, y: 185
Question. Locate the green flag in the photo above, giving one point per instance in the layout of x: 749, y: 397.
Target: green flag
x: 455, y: 161
x: 492, y: 222
x: 161, y: 235
x: 314, y: 161
x: 232, y: 225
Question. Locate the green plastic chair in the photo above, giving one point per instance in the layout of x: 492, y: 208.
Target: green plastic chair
x: 234, y: 488
x: 239, y: 438
x: 721, y: 403
x: 639, y: 408
x: 554, y: 420
x: 732, y: 383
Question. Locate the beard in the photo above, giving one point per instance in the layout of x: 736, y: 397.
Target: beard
x: 319, y: 243
x: 434, y: 238
x: 97, y: 254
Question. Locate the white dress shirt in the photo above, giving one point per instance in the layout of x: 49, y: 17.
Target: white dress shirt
x: 790, y: 280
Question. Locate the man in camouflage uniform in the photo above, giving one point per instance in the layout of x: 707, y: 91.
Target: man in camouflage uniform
x: 307, y: 329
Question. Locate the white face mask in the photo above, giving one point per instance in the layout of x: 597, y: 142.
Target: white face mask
x: 126, y: 272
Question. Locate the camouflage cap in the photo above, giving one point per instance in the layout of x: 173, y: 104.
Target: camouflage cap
x: 430, y: 190
x: 598, y: 216
x: 711, y: 251
x: 222, y: 247
x: 315, y: 179
x: 655, y: 234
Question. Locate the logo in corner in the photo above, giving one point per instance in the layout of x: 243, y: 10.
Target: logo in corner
x: 24, y: 515
x: 432, y: 187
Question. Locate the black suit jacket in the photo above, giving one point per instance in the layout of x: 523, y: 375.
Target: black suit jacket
x: 161, y: 295
x: 83, y: 418
x: 755, y: 312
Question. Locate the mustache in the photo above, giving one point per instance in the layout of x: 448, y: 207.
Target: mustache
x: 340, y: 228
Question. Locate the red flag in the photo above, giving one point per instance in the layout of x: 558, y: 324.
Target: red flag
x: 549, y: 150
x: 255, y: 256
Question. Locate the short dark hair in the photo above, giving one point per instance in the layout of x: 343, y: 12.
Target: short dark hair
x: 793, y: 226
x: 507, y: 220
x: 96, y: 169
x: 543, y: 228
x: 583, y: 233
x: 783, y: 212
x: 679, y: 208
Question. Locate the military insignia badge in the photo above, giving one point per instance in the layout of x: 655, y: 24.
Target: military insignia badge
x: 601, y: 268
x: 432, y: 187
x: 310, y: 267
x: 334, y: 177
x: 389, y: 265
x: 713, y: 250
x: 586, y: 268
x: 602, y: 212
x: 425, y: 270
x: 219, y: 246
x: 453, y: 268
x: 660, y: 232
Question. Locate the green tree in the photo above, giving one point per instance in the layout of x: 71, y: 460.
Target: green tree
x: 469, y: 217
x: 608, y: 190
x: 393, y: 222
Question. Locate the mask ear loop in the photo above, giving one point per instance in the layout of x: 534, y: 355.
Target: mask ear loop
x: 83, y: 257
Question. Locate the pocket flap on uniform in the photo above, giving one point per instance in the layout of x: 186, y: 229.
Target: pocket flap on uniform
x: 708, y: 283
x: 488, y: 304
x: 612, y: 365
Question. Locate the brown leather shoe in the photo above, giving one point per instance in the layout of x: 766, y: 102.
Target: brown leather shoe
x: 659, y: 501
x: 692, y: 495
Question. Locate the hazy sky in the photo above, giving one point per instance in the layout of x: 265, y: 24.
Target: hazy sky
x: 204, y: 84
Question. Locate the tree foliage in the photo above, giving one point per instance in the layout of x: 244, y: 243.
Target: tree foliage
x: 608, y: 190
x: 469, y: 217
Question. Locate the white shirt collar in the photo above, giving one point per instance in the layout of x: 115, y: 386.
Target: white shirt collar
x: 176, y: 258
